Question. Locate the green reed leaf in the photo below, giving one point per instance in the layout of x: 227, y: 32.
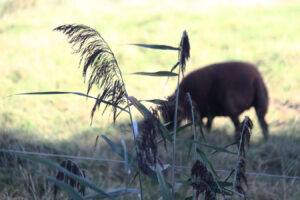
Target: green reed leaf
x: 65, y: 187
x: 159, y: 73
x: 157, y: 46
x: 75, y: 93
x: 114, y: 193
x: 55, y: 166
x: 164, y: 188
x: 145, y: 112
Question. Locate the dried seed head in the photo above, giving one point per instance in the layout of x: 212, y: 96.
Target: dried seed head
x: 210, y: 195
x: 147, y: 143
x: 74, y: 168
x: 167, y: 111
x: 199, y: 170
x: 184, y: 53
x: 203, y: 181
x: 241, y: 176
x: 243, y: 139
x: 245, y: 129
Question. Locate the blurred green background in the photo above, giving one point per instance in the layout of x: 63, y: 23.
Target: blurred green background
x: 33, y: 58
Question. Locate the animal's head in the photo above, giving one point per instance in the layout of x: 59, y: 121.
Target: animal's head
x: 167, y: 112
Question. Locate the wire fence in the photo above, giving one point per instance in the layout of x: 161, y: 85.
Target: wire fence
x: 122, y: 161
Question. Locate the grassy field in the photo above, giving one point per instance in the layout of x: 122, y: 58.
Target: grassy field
x: 34, y: 58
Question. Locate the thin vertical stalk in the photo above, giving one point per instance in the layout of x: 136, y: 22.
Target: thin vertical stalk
x: 174, y: 129
x: 239, y: 155
x: 126, y: 165
x: 195, y: 136
x: 134, y: 139
x: 184, y: 54
x: 193, y: 125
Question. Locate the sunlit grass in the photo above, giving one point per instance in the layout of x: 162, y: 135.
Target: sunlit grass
x: 34, y: 58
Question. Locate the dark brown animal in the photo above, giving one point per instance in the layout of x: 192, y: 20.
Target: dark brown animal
x: 222, y: 89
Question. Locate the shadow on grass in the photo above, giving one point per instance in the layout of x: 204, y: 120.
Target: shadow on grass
x: 280, y: 155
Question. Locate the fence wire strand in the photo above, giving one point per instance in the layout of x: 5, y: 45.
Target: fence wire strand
x: 122, y: 161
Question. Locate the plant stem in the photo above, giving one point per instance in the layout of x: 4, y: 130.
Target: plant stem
x: 195, y: 136
x: 238, y: 156
x: 174, y: 130
x: 193, y: 125
x: 134, y: 139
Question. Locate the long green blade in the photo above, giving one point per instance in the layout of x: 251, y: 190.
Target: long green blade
x: 206, y: 161
x: 159, y: 101
x: 65, y: 187
x: 131, y: 159
x: 116, y: 148
x: 157, y: 46
x: 210, y: 167
x: 145, y: 112
x: 75, y: 93
x: 55, y: 166
x: 119, y: 150
x: 164, y: 188
x: 159, y: 73
x: 114, y: 193
x: 181, y: 128
x: 219, y: 149
x: 174, y: 67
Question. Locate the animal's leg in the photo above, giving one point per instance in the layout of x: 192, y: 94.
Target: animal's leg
x: 263, y: 124
x: 236, y: 122
x: 261, y: 106
x: 209, y: 123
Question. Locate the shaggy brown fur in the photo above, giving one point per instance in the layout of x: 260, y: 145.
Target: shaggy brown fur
x: 222, y: 89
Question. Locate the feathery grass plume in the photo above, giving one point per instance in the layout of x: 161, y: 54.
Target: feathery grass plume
x: 147, y: 144
x: 98, y: 58
x: 74, y: 168
x: 243, y: 139
x: 184, y: 53
x: 203, y: 181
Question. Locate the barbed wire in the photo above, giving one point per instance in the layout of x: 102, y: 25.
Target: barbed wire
x: 122, y: 161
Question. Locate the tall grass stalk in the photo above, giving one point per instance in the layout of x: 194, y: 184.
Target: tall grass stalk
x: 184, y: 54
x: 132, y: 128
x: 193, y: 126
x: 174, y: 132
x: 240, y: 146
x: 194, y: 134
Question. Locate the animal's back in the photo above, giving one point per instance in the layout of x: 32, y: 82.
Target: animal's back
x: 225, y: 89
